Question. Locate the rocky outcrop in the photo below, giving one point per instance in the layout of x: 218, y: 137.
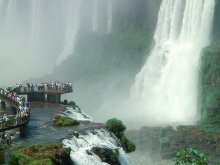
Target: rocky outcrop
x: 168, y: 141
x: 210, y: 88
x: 107, y: 155
x: 192, y: 136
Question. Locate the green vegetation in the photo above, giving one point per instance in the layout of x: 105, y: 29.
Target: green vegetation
x: 41, y: 155
x: 60, y: 120
x: 107, y: 155
x: 210, y: 88
x: 117, y: 128
x: 191, y: 156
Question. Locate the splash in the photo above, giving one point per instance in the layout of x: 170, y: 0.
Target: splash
x: 81, y: 147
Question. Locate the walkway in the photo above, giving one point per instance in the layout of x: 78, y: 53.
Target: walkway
x: 21, y: 117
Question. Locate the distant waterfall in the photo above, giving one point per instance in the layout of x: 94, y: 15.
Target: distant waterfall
x: 35, y: 8
x: 109, y: 17
x: 73, y: 25
x: 166, y: 87
x: 10, y: 16
x: 95, y: 17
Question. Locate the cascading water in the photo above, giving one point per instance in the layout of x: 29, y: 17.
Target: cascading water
x: 166, y: 87
x: 73, y: 26
x: 76, y: 113
x: 81, y: 146
x: 109, y: 16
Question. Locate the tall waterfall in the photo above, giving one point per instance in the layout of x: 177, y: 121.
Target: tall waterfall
x: 166, y: 87
x: 35, y: 8
x: 109, y: 17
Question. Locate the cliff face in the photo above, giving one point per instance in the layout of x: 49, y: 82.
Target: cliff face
x: 210, y: 88
x: 210, y: 80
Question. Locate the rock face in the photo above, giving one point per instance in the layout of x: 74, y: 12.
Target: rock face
x: 210, y: 88
x: 107, y: 155
x: 216, y: 26
x: 168, y: 141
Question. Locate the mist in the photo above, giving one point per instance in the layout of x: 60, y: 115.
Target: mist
x: 102, y: 46
x: 87, y: 42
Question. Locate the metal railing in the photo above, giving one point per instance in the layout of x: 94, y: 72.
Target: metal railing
x: 13, y: 121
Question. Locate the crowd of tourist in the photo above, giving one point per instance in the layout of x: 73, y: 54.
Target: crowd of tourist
x: 44, y: 87
x: 21, y: 104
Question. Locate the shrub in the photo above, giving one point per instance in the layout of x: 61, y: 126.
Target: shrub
x: 117, y: 128
x: 191, y: 156
x: 65, y: 121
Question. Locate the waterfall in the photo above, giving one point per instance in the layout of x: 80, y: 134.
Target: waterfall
x: 166, y: 88
x: 76, y: 113
x: 73, y: 25
x: 95, y: 17
x: 35, y: 8
x: 81, y: 146
x: 109, y: 17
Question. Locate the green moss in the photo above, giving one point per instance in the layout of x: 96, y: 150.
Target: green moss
x: 41, y: 155
x: 65, y: 121
x: 191, y: 156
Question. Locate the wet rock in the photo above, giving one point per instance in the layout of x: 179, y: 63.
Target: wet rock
x: 107, y: 155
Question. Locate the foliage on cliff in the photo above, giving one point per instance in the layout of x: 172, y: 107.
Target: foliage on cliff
x: 117, y: 127
x: 52, y: 154
x: 210, y: 88
x: 60, y: 120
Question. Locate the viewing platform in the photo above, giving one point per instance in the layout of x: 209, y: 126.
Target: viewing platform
x: 44, y: 92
